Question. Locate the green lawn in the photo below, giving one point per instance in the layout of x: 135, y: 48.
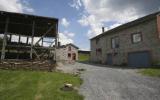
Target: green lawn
x: 151, y: 72
x: 26, y: 85
x: 83, y: 57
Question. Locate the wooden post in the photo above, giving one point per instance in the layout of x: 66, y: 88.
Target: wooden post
x: 56, y: 43
x: 4, y: 39
x: 45, y: 34
x: 27, y: 40
x: 19, y: 40
x: 10, y: 38
x: 42, y: 42
x: 31, y: 52
x: 18, y: 51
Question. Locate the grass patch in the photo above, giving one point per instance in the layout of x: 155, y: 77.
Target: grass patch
x: 151, y: 72
x: 27, y: 85
x: 83, y: 57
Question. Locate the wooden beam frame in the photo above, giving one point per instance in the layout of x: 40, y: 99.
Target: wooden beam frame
x: 32, y: 40
x: 42, y: 42
x: 4, y: 39
x: 47, y: 49
x: 41, y: 38
x: 27, y: 40
x: 44, y: 34
x: 19, y: 39
x: 10, y: 38
x: 56, y: 43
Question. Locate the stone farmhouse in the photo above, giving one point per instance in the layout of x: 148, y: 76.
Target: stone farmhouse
x: 67, y: 53
x: 136, y: 44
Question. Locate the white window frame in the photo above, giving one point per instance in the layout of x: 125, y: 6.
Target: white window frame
x: 137, y: 37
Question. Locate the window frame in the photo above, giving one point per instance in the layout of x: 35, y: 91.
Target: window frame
x: 132, y: 37
x: 115, y: 43
x: 69, y: 55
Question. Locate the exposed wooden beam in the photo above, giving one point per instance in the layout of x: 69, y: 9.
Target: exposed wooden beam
x: 42, y: 41
x: 32, y: 40
x: 4, y: 39
x: 56, y: 43
x: 19, y: 39
x: 10, y: 38
x: 36, y: 54
x: 44, y: 34
x: 27, y: 40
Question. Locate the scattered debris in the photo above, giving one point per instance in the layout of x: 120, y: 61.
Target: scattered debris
x: 81, y: 70
x: 67, y: 87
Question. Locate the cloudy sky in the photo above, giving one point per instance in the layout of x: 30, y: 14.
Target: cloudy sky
x: 80, y: 20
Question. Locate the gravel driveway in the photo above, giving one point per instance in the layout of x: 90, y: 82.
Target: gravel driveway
x: 106, y: 83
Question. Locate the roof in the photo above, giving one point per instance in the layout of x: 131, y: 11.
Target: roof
x: 129, y: 24
x: 70, y: 44
x: 83, y: 52
x: 22, y: 24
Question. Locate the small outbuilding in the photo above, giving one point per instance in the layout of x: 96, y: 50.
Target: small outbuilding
x: 67, y: 53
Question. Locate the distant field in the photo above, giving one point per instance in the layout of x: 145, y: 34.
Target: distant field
x: 151, y: 72
x: 83, y: 57
x: 26, y: 85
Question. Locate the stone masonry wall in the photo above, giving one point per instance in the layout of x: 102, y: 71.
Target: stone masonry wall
x: 150, y: 42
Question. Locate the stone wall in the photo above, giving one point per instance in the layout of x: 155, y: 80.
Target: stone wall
x: 28, y: 65
x: 150, y: 42
x: 62, y: 54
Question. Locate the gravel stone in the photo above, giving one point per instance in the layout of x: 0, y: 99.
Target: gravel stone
x: 102, y: 82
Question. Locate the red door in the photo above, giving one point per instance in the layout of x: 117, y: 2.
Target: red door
x: 74, y: 56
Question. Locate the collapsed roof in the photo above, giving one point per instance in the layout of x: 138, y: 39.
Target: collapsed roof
x: 22, y: 24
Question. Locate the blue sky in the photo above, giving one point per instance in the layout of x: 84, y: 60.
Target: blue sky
x: 80, y: 20
x: 62, y: 9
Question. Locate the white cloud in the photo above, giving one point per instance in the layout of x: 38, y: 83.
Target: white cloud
x: 85, y: 49
x: 64, y: 39
x: 76, y: 4
x: 15, y: 38
x: 69, y: 34
x: 65, y: 22
x: 16, y: 6
x: 98, y: 13
x: 114, y: 25
x: 94, y: 24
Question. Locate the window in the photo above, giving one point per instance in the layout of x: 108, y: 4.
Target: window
x: 115, y: 42
x: 136, y: 37
x: 98, y: 51
x: 69, y: 55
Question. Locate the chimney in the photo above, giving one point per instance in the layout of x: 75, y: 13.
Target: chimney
x: 103, y: 29
x: 59, y: 44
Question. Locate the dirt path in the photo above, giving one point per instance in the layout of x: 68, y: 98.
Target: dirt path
x: 106, y: 83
